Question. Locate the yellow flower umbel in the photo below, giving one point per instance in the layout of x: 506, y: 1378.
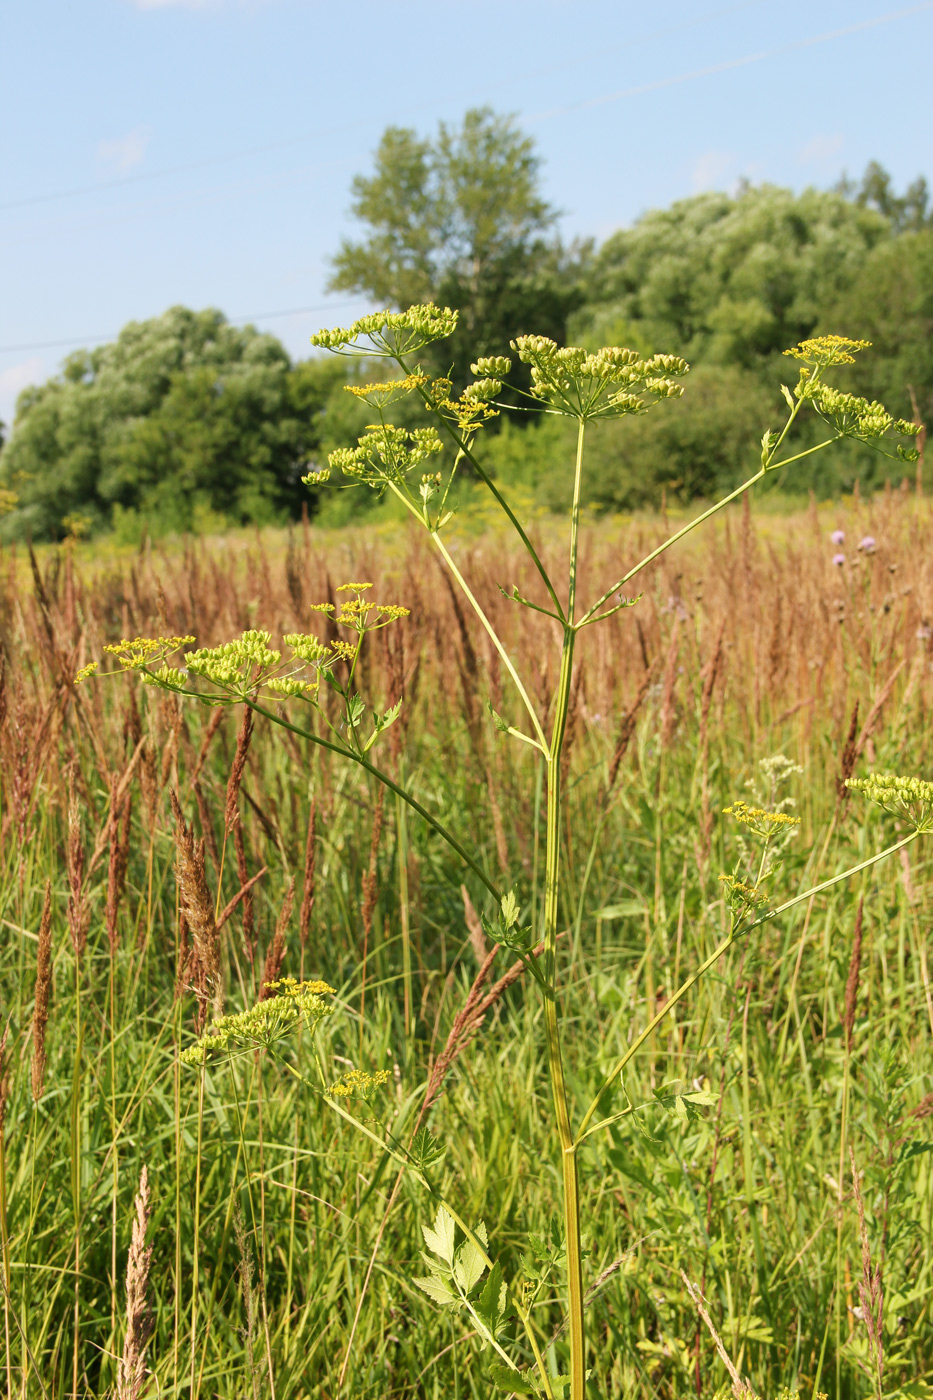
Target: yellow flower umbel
x: 761, y: 823
x: 826, y: 350
x: 358, y: 1084
x: 611, y: 383
x: 266, y: 1023
x: 390, y: 333
x: 772, y: 829
x: 847, y: 414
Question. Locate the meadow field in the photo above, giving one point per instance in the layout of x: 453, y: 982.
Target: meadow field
x: 284, y: 1243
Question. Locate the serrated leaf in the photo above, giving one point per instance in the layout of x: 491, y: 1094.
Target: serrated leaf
x: 491, y: 1303
x: 437, y: 1288
x: 426, y: 1150
x: 389, y: 716
x: 510, y: 909
x: 512, y: 1382
x: 702, y: 1096
x: 469, y: 1266
x: 441, y: 1239
x: 789, y: 398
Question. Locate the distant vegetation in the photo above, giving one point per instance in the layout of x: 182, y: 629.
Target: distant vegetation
x: 186, y: 422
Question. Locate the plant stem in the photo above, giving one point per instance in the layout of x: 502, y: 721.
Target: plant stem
x: 195, y: 1244
x: 383, y: 778
x: 571, y: 1186
x: 497, y: 643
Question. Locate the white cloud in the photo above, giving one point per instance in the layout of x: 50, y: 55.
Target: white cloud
x: 14, y: 380
x: 710, y: 169
x: 820, y: 148
x: 116, y: 157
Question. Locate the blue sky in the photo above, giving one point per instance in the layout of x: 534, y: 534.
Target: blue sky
x: 201, y: 151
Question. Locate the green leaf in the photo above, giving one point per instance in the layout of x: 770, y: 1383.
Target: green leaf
x: 437, y: 1288
x: 512, y: 1382
x: 510, y: 909
x: 469, y: 1266
x: 492, y: 1301
x: 356, y: 709
x: 389, y: 717
x: 702, y: 1096
x: 625, y: 909
x: 441, y: 1239
x: 426, y: 1150
x: 497, y: 719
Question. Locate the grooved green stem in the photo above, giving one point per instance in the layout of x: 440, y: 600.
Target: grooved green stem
x: 571, y: 1185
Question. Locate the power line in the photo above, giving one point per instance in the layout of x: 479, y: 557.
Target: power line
x: 232, y: 321
x: 729, y: 64
x: 101, y: 187
x: 659, y: 84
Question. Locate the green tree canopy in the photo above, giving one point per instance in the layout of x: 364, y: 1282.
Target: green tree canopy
x: 891, y: 302
x: 733, y: 280
x: 182, y: 415
x: 907, y: 212
x: 461, y: 221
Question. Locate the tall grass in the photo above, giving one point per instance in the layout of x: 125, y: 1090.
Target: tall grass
x: 283, y: 1250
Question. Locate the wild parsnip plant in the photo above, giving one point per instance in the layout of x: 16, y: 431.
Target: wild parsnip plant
x: 420, y: 468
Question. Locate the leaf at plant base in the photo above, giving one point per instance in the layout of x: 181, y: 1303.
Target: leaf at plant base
x: 469, y: 1266
x: 441, y: 1238
x: 437, y: 1288
x: 492, y: 1301
x: 512, y: 1382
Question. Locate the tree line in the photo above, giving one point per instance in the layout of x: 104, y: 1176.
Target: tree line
x: 185, y: 421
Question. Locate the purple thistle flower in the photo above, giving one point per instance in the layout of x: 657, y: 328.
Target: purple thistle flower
x: 839, y: 560
x: 838, y: 537
x: 867, y: 545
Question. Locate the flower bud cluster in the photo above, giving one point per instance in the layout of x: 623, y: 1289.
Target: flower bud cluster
x: 235, y: 663
x: 902, y: 796
x: 390, y: 332
x: 296, y: 1003
x: 608, y: 384
x: 386, y: 453
x: 491, y: 366
x: 855, y: 417
x: 166, y: 677
x: 483, y: 390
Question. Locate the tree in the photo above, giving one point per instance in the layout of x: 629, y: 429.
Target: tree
x: 891, y: 303
x: 907, y: 212
x: 461, y: 221
x: 181, y: 415
x: 734, y: 280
